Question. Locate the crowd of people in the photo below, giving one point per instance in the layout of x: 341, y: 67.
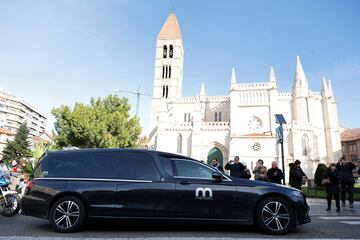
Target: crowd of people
x: 338, y: 178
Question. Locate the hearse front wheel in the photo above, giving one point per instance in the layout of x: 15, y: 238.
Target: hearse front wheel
x: 274, y: 215
x: 67, y: 214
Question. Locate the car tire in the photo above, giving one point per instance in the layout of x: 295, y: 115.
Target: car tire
x: 67, y: 214
x: 275, y: 215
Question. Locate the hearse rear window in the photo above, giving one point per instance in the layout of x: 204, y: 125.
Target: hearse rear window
x: 104, y: 165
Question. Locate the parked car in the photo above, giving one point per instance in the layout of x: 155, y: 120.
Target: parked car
x: 71, y: 186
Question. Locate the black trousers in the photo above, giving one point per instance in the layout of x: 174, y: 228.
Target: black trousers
x: 336, y: 197
x: 347, y: 188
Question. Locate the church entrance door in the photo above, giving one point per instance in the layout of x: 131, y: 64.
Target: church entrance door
x: 215, y: 153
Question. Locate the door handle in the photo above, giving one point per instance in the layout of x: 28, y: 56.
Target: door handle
x: 185, y: 182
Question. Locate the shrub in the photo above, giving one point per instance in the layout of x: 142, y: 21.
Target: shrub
x: 319, y: 173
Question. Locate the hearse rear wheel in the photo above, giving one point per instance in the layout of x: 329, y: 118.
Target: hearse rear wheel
x: 67, y: 214
x: 274, y: 215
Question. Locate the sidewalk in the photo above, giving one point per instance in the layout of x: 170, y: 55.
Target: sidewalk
x: 318, y: 206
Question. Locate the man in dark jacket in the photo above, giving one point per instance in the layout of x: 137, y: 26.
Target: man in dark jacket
x: 215, y: 164
x: 345, y: 169
x: 274, y: 174
x: 236, y: 167
x: 297, y: 175
x: 331, y: 176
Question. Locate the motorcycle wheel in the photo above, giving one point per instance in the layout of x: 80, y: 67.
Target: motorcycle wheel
x: 12, y: 207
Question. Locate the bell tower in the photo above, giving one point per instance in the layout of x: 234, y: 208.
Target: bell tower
x: 169, y: 58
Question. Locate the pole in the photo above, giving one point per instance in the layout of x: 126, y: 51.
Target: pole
x: 282, y: 157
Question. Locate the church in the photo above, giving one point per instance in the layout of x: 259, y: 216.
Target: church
x: 241, y: 123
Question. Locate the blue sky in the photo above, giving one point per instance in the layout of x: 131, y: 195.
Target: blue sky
x: 60, y: 52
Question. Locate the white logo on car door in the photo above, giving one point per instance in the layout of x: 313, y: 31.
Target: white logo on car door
x: 203, y: 193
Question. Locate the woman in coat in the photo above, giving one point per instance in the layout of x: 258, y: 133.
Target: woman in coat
x: 331, y: 179
x: 297, y: 175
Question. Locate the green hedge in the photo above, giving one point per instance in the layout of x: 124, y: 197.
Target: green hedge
x: 319, y: 192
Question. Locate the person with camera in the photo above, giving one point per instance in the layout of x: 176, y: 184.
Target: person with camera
x: 331, y: 182
x: 237, y: 169
x: 345, y: 169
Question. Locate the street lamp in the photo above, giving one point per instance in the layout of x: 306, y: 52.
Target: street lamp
x: 279, y: 118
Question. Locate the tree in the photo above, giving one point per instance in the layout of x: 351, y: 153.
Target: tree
x: 104, y: 123
x: 19, y: 148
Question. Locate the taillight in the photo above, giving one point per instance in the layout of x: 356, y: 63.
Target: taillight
x: 29, y: 185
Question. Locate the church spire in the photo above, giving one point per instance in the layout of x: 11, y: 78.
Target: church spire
x: 233, y: 76
x: 272, y: 77
x: 170, y: 30
x: 324, y: 89
x: 300, y: 78
x: 202, y: 90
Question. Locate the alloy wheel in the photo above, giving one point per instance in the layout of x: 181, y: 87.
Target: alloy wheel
x: 275, y: 216
x: 66, y: 214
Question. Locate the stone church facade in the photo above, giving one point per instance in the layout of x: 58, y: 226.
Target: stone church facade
x: 243, y: 122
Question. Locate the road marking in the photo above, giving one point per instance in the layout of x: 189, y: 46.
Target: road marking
x: 351, y: 222
x: 152, y: 238
x: 341, y: 218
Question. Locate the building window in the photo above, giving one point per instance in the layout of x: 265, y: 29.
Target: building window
x: 219, y: 117
x: 305, y: 145
x: 171, y: 50
x: 184, y: 117
x: 352, y: 148
x: 164, y: 51
x: 167, y: 91
x: 343, y: 149
x: 163, y: 72
x: 179, y: 144
x: 187, y: 117
x: 353, y: 157
x: 216, y: 116
x: 169, y: 72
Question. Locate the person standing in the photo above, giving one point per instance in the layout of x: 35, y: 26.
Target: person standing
x: 261, y: 175
x: 256, y: 171
x: 215, y: 164
x: 236, y: 168
x: 345, y: 169
x: 274, y: 174
x: 331, y: 180
x: 297, y: 175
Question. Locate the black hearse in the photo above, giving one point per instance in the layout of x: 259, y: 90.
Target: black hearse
x: 71, y: 186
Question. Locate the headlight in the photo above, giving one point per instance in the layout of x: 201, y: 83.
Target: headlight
x: 298, y: 196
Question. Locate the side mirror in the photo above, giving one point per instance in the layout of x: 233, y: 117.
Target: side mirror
x: 217, y: 176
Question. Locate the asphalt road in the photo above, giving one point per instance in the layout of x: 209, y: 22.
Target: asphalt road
x: 324, y: 225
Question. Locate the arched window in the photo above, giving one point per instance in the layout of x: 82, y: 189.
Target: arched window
x: 166, y: 71
x: 179, y: 143
x: 169, y: 72
x: 171, y: 50
x: 305, y: 145
x: 163, y: 92
x: 216, y: 116
x: 163, y: 72
x: 167, y: 91
x: 164, y: 51
x: 219, y: 117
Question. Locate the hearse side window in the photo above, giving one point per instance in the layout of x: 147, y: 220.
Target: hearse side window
x: 102, y: 165
x: 166, y: 163
x: 191, y: 169
x: 125, y: 165
x: 66, y: 165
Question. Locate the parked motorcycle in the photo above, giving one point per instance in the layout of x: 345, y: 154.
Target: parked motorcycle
x: 9, y: 200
